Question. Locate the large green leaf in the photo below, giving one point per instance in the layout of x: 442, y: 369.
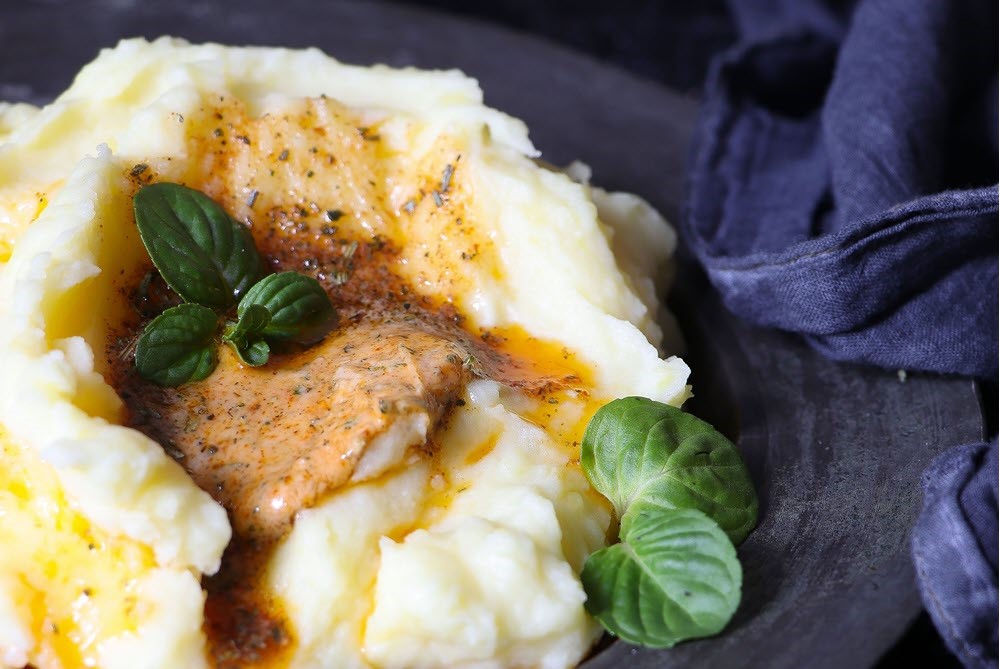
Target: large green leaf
x: 299, y: 306
x: 202, y: 253
x: 674, y: 576
x: 178, y: 346
x: 635, y: 448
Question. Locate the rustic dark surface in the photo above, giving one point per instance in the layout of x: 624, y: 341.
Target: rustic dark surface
x: 669, y: 41
x: 836, y: 450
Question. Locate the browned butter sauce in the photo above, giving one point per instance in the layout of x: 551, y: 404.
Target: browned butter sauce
x: 312, y: 186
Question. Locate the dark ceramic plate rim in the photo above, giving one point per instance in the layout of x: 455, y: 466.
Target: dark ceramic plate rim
x: 836, y: 449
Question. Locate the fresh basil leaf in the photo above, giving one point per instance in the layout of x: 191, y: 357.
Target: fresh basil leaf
x: 635, y: 448
x: 675, y: 576
x: 203, y: 254
x: 177, y: 346
x: 300, y: 309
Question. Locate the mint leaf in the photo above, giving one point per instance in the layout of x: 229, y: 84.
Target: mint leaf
x: 299, y: 306
x: 638, y: 449
x: 255, y: 353
x: 244, y: 335
x: 203, y: 254
x: 674, y: 576
x: 211, y: 262
x: 252, y: 322
x: 685, y: 498
x: 178, y: 346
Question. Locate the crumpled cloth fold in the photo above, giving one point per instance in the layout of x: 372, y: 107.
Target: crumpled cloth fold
x: 843, y: 186
x: 955, y: 551
x: 843, y: 183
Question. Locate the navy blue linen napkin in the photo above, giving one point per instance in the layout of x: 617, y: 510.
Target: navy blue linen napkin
x: 843, y: 186
x: 955, y: 550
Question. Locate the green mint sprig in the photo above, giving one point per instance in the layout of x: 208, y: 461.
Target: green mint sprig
x: 202, y: 253
x: 246, y: 335
x: 177, y: 347
x: 210, y: 261
x: 685, y: 498
x: 298, y: 306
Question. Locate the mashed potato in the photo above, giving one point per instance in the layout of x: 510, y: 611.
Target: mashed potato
x: 464, y: 552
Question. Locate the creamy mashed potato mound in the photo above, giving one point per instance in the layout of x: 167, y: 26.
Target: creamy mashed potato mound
x: 464, y: 552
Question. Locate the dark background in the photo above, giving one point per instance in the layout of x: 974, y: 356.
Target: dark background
x: 672, y: 42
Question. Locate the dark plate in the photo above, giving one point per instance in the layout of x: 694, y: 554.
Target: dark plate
x: 836, y: 450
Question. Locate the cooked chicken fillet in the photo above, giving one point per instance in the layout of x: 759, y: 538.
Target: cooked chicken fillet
x: 269, y: 441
